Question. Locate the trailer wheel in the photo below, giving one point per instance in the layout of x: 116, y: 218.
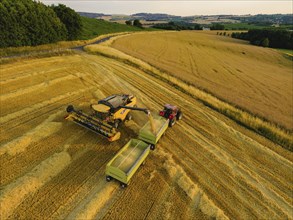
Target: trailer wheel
x: 108, y: 178
x: 70, y: 108
x: 152, y: 147
x: 172, y: 122
x: 123, y: 185
x: 179, y: 115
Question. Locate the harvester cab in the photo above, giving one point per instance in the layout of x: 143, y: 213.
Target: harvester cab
x: 172, y: 113
x: 110, y: 109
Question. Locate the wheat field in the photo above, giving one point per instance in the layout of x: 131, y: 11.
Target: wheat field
x: 205, y: 167
x: 256, y: 79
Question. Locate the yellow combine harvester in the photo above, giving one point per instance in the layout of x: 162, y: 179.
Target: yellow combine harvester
x: 107, y: 115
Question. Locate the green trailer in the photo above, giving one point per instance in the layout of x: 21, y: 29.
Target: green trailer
x: 125, y: 163
x: 152, y: 137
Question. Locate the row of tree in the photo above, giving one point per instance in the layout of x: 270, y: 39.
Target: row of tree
x: 135, y: 23
x: 267, y: 38
x: 217, y: 26
x: 30, y: 23
x: 178, y: 26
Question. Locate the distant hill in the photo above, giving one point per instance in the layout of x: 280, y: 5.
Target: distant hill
x: 91, y: 15
x: 155, y: 17
x: 265, y: 19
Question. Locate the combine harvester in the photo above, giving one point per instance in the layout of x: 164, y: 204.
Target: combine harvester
x: 108, y: 114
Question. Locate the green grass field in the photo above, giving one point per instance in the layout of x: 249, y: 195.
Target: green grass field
x: 286, y: 51
x: 93, y: 28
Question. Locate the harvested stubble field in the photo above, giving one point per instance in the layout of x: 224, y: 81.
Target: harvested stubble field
x: 205, y: 167
x: 256, y: 79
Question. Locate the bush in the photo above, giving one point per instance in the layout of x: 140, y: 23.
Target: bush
x: 128, y: 22
x: 137, y: 23
x: 265, y: 42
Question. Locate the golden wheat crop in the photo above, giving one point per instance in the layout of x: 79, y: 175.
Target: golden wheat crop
x: 258, y: 80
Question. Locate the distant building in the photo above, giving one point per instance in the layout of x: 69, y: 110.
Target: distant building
x: 206, y: 29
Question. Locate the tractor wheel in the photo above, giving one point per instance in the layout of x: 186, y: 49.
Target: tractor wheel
x: 172, y: 122
x: 179, y: 115
x: 123, y: 185
x: 70, y: 108
x: 152, y: 147
x: 108, y: 178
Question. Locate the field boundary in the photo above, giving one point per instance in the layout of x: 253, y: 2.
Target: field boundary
x: 269, y: 130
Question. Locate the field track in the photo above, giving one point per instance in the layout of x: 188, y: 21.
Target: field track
x: 205, y: 167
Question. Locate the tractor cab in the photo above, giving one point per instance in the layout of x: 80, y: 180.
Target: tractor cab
x: 172, y: 113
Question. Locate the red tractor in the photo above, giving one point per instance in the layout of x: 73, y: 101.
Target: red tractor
x: 172, y: 113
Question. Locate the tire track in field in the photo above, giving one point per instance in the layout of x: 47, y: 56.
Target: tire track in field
x: 238, y: 178
x: 59, y: 211
x: 44, y: 94
x: 35, y: 153
x: 15, y: 193
x: 42, y: 104
x: 12, y: 85
x: 75, y: 182
x: 140, y: 195
x: 47, y: 128
x: 137, y: 82
x: 24, y: 68
x: 26, y: 90
x: 205, y: 153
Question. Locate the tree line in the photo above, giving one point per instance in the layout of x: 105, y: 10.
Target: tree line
x: 135, y: 23
x: 172, y: 25
x: 267, y: 38
x: 31, y: 23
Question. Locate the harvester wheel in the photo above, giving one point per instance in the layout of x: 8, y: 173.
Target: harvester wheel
x: 116, y: 123
x: 108, y: 178
x: 123, y: 185
x: 179, y: 115
x: 128, y: 117
x: 152, y: 147
x: 70, y: 108
x: 172, y: 122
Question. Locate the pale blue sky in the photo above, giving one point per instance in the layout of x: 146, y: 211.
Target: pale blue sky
x: 183, y: 8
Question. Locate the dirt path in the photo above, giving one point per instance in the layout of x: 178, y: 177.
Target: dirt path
x: 205, y: 167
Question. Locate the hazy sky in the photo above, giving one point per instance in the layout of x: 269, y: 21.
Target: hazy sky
x: 191, y: 7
